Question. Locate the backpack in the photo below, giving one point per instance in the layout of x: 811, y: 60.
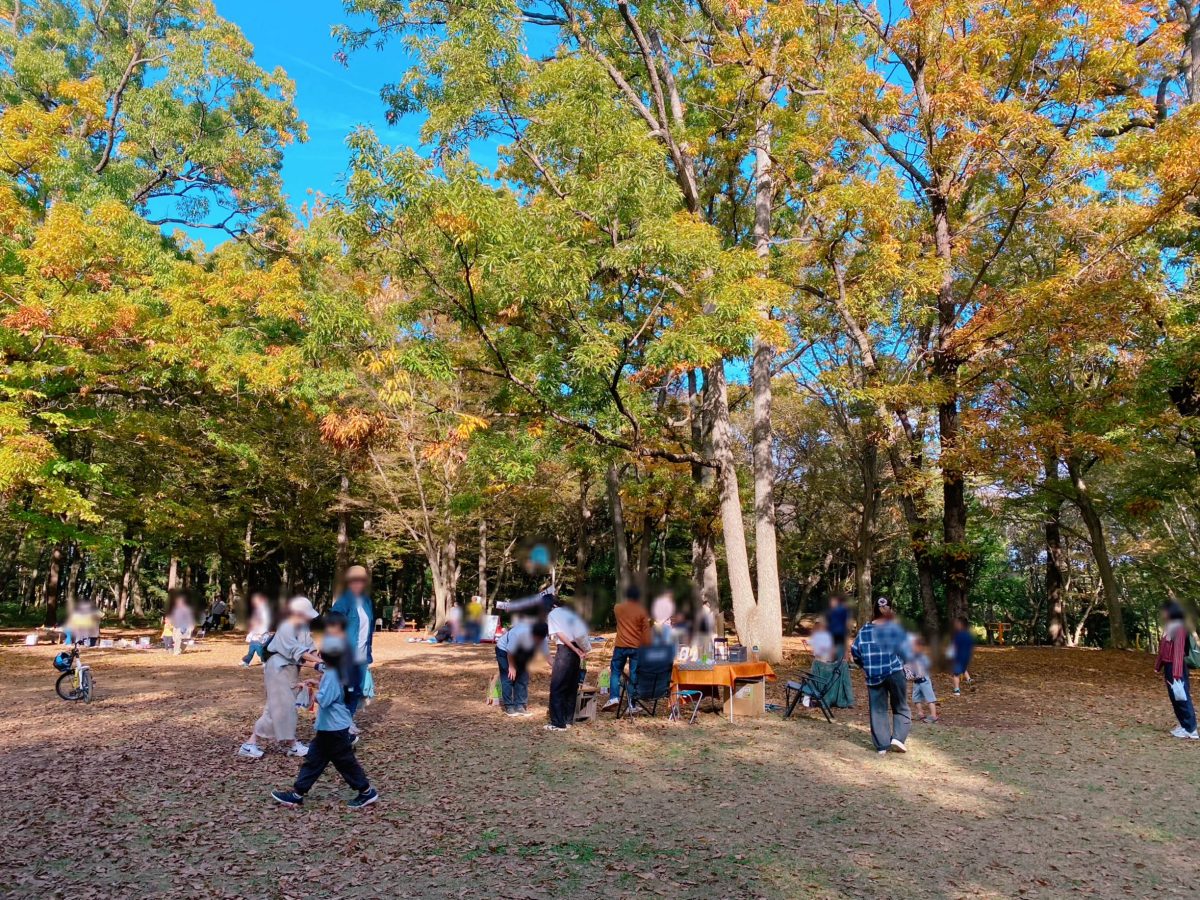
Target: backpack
x: 1192, y: 658
x: 267, y: 652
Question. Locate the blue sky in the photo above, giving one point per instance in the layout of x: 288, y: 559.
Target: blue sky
x: 332, y: 99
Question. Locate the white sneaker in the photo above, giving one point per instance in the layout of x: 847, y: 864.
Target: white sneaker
x: 552, y: 728
x: 883, y: 753
x: 250, y: 751
x: 612, y: 701
x: 244, y: 665
x: 298, y: 749
x: 354, y: 729
x: 898, y: 746
x: 1178, y: 731
x: 1188, y: 735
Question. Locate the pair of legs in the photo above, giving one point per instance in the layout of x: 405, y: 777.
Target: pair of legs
x: 331, y: 747
x: 923, y: 696
x: 620, y: 656
x: 564, y: 686
x: 1185, y: 710
x: 891, y: 719
x: 255, y: 649
x: 958, y: 674
x: 180, y: 637
x: 514, y: 692
x: 278, y: 719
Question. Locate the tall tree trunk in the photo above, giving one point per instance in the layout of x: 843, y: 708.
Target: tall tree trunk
x: 955, y: 551
x: 763, y: 631
x: 583, y: 537
x: 137, y: 598
x: 1095, y: 528
x: 73, y: 572
x: 125, y: 586
x: 766, y: 556
x: 53, y: 577
x: 444, y: 571
x: 617, y: 513
x: 342, y: 556
x: 481, y: 588
x: 918, y: 540
x: 864, y: 544
x: 10, y: 574
x: 241, y: 579
x: 704, y: 558
x: 645, y: 544
x: 1056, y: 557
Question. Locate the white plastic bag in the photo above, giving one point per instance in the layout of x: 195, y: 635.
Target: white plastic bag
x: 1177, y: 690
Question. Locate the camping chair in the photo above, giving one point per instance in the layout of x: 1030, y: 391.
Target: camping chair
x: 811, y: 685
x: 655, y: 664
x: 685, y: 696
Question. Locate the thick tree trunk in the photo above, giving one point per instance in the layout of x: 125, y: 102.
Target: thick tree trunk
x: 137, y: 599
x: 1056, y: 558
x: 864, y: 545
x: 645, y: 544
x: 173, y: 574
x: 766, y: 556
x: 241, y: 581
x: 444, y: 571
x: 918, y: 541
x: 1108, y: 581
x: 53, y: 577
x: 583, y: 539
x: 955, y: 551
x: 616, y: 511
x: 755, y: 627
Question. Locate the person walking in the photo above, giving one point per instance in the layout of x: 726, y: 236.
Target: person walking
x: 332, y: 743
x: 571, y: 632
x: 288, y: 651
x: 1173, y: 649
x: 355, y: 605
x: 837, y: 620
x: 633, y: 633
x: 259, y: 628
x: 881, y: 649
x: 183, y: 620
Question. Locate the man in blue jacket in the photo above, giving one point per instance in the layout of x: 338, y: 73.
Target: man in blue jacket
x: 355, y: 605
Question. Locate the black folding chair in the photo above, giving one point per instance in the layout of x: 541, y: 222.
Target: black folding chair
x: 811, y: 685
x: 655, y: 664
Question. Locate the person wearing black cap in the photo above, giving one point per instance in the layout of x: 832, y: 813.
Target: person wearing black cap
x: 881, y: 649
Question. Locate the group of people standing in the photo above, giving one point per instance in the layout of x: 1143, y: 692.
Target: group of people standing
x: 342, y: 662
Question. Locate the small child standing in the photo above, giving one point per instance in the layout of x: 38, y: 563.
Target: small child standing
x: 922, y: 683
x: 333, y: 743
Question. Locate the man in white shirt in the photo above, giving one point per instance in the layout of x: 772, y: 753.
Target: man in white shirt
x: 514, y: 651
x: 571, y: 633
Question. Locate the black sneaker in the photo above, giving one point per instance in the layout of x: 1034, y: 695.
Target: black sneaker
x: 288, y: 798
x: 366, y: 798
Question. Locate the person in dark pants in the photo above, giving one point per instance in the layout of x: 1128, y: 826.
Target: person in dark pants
x: 515, y: 649
x: 633, y: 633
x: 355, y: 605
x: 837, y: 623
x: 1171, y: 662
x: 332, y: 743
x: 571, y: 633
x: 881, y: 649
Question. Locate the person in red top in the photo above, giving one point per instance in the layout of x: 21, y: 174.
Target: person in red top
x: 633, y: 633
x: 1172, y: 648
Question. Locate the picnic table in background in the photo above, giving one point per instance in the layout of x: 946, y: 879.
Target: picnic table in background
x: 720, y: 675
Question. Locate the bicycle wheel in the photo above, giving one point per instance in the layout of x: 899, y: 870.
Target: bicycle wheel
x: 66, y: 686
x: 85, y: 685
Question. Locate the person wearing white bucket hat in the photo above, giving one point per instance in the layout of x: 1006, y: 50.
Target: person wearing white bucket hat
x: 286, y: 653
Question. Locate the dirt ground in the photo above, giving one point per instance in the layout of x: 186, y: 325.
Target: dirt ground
x: 1056, y: 777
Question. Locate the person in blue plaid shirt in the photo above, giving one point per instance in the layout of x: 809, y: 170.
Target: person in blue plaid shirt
x: 881, y: 649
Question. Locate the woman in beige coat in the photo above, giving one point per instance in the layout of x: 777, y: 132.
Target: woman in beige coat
x: 290, y: 650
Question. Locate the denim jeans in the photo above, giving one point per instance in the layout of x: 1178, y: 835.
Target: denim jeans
x: 620, y: 654
x: 891, y: 718
x: 1185, y: 712
x: 514, y: 693
x: 255, y: 649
